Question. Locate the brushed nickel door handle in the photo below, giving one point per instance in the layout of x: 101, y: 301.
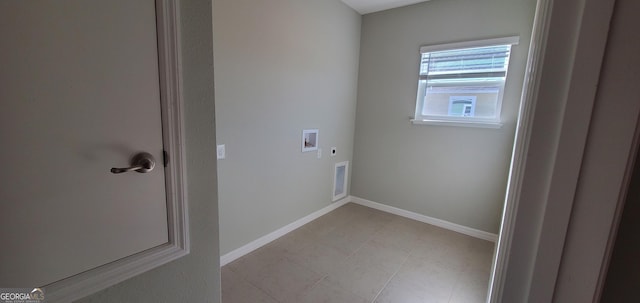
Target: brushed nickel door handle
x: 142, y: 162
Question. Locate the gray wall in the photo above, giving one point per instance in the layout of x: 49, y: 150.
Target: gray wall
x: 281, y: 66
x: 195, y: 277
x: 456, y: 174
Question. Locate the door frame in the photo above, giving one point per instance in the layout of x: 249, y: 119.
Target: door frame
x: 169, y: 63
x: 608, y: 165
x: 563, y: 68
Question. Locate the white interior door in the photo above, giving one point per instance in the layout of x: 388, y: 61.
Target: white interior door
x: 79, y: 90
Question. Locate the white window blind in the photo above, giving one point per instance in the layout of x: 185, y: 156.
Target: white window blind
x: 463, y: 81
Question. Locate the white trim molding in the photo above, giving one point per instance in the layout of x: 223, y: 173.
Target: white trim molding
x: 169, y: 62
x: 476, y: 233
x: 522, y: 138
x: 272, y: 236
x: 477, y: 124
x: 513, y: 40
x: 563, y: 68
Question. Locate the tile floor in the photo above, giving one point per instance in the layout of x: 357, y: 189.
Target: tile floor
x: 358, y: 254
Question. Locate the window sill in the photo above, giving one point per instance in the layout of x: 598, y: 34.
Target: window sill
x: 477, y: 124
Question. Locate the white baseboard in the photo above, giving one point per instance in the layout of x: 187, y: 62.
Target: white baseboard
x: 426, y: 219
x: 266, y: 239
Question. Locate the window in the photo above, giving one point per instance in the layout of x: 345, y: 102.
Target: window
x: 463, y: 83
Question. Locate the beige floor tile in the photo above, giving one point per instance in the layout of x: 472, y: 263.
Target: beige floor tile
x: 452, y: 253
x: 341, y: 215
x: 326, y: 224
x: 371, y: 215
x: 435, y: 233
x: 325, y: 292
x: 367, y: 218
x: 229, y: 278
x: 247, y: 293
x: 365, y: 281
x: 341, y: 218
x: 400, y: 239
x: 406, y: 225
x: 480, y: 256
x: 347, y: 239
x: 296, y: 240
x: 447, y: 238
x: 471, y: 287
x: 435, y: 279
x: 482, y: 245
x: 318, y: 257
x: 370, y: 223
x: 404, y: 291
x: 237, y: 290
x: 250, y: 265
x: 348, y: 208
x: 363, y: 254
x: 286, y: 281
x: 373, y: 253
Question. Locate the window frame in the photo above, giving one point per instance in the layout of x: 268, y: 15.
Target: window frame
x: 495, y: 122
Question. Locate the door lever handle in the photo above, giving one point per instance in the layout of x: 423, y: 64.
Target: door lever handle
x: 142, y: 162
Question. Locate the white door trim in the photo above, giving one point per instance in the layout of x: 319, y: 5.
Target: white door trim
x: 535, y: 61
x: 99, y: 278
x: 567, y: 46
x: 608, y: 165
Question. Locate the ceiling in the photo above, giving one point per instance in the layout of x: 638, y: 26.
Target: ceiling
x: 370, y: 6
